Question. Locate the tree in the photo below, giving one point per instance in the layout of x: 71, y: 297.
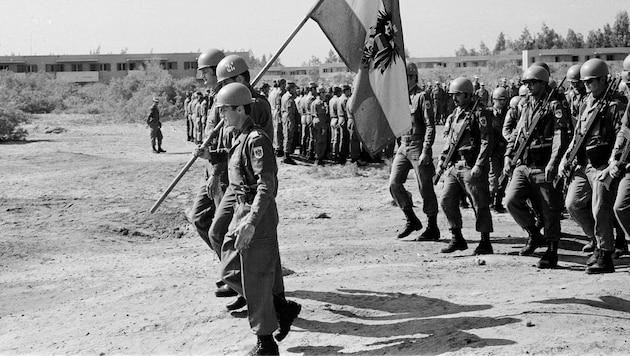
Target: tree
x: 483, y: 49
x: 621, y: 29
x: 548, y: 38
x: 473, y: 52
x: 609, y: 40
x: 573, y: 40
x: 526, y: 41
x: 595, y: 39
x: 461, y: 51
x: 332, y: 57
x: 313, y: 62
x: 501, y: 44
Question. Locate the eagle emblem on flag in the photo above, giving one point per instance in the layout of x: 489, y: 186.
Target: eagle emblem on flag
x: 380, y: 49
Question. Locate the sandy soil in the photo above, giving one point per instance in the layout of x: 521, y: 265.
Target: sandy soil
x: 85, y: 269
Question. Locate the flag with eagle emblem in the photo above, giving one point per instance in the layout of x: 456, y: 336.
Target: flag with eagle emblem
x: 367, y: 35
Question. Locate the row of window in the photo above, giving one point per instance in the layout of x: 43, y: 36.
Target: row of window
x: 95, y: 67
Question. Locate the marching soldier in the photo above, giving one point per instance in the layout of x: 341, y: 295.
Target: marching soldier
x: 536, y: 168
x: 589, y: 199
x: 468, y: 171
x: 252, y: 238
x: 415, y: 152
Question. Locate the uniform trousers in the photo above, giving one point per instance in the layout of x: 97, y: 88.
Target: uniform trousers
x: 278, y: 135
x: 528, y: 183
x: 622, y: 203
x: 305, y: 139
x: 496, y: 167
x: 319, y: 134
x: 408, y: 157
x: 334, y: 137
x: 288, y: 131
x: 591, y: 205
x: 457, y: 181
x: 156, y: 137
x: 354, y: 143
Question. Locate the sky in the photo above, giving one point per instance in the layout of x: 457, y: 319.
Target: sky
x: 430, y: 28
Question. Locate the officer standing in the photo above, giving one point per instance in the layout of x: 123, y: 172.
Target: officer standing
x: 189, y: 123
x: 415, y: 152
x: 320, y: 122
x: 589, y: 200
x: 153, y: 120
x: 499, y: 111
x: 468, y: 169
x: 335, y: 131
x: 533, y: 177
x: 342, y: 113
x: 290, y: 118
x: 252, y: 234
x: 439, y: 102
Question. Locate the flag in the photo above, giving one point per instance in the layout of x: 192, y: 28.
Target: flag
x: 367, y: 35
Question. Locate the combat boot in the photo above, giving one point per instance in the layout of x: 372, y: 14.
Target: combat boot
x: 457, y: 242
x: 498, y: 204
x: 286, y: 316
x: 288, y: 160
x: 484, y: 247
x: 590, y: 246
x: 550, y: 257
x: 154, y: 150
x: 604, y: 264
x: 592, y: 259
x: 432, y: 232
x: 534, y: 241
x: 621, y: 245
x: 413, y: 223
x: 264, y: 346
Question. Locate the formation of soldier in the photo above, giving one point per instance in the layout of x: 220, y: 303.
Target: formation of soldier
x: 538, y: 148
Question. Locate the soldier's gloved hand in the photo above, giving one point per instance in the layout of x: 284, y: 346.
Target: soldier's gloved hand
x: 476, y: 171
x: 212, y: 186
x: 351, y: 124
x: 440, y: 168
x: 202, y: 152
x: 507, y: 165
x: 550, y: 173
x: 613, y: 169
x: 244, y: 234
x: 425, y: 159
x: 316, y: 120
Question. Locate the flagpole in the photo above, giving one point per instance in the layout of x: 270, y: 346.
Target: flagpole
x: 217, y: 128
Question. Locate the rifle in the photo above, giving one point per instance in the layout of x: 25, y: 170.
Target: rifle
x: 580, y: 138
x: 539, y: 112
x: 460, y: 134
x: 625, y: 132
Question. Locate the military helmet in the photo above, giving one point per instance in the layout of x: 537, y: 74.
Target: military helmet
x: 231, y: 66
x: 412, y: 69
x: 593, y: 68
x: 499, y: 93
x: 233, y: 94
x: 209, y: 58
x: 514, y: 101
x: 552, y: 83
x: 573, y: 73
x: 625, y: 76
x: 522, y: 91
x: 626, y: 63
x: 461, y: 85
x: 536, y: 72
x: 544, y: 65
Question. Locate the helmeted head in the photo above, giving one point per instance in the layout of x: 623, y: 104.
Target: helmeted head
x: 625, y: 76
x: 573, y: 73
x: 542, y: 64
x: 412, y: 69
x: 514, y: 101
x: 207, y: 63
x: 461, y: 85
x: 523, y: 91
x: 536, y: 73
x: 626, y: 63
x: 230, y: 67
x: 593, y: 68
x: 234, y: 103
x: 499, y: 94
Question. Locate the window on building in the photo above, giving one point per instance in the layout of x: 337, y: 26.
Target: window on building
x: 93, y: 67
x: 171, y: 65
x: 121, y: 66
x: 21, y: 68
x: 610, y: 57
x: 4, y: 67
x: 556, y: 59
x: 32, y: 68
x: 586, y: 58
x: 190, y: 65
x: 76, y: 67
x: 597, y: 56
x: 105, y: 67
x: 132, y: 66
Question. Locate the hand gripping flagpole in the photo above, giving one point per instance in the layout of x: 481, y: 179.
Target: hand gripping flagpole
x: 215, y: 131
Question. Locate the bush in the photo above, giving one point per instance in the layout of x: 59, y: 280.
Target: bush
x: 10, y: 120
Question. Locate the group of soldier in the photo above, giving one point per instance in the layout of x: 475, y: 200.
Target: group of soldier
x: 540, y: 151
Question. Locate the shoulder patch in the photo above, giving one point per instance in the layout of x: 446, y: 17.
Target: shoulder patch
x: 258, y: 152
x: 558, y: 113
x: 483, y: 121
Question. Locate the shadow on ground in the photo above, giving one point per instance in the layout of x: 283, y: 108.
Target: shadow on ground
x: 398, y: 318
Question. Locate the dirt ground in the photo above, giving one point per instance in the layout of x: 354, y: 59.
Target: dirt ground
x: 86, y: 269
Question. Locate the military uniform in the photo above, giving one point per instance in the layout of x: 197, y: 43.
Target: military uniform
x: 334, y: 127
x: 496, y: 159
x: 290, y: 118
x: 528, y: 182
x: 153, y: 120
x: 344, y: 134
x: 321, y: 122
x: 418, y: 141
x: 473, y: 150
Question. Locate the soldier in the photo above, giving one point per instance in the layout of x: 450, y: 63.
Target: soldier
x: 483, y: 94
x: 476, y: 84
x: 320, y: 122
x: 589, y: 199
x: 533, y: 177
x: 275, y: 99
x: 576, y: 94
x: 499, y: 111
x: 264, y: 90
x: 342, y: 113
x: 307, y: 121
x: 153, y: 120
x: 290, y: 118
x: 415, y: 152
x: 252, y: 236
x: 198, y: 117
x: 335, y: 131
x: 468, y: 169
x: 189, y: 123
x: 438, y: 95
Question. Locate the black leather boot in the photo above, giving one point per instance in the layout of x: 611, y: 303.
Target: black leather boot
x: 286, y: 311
x: 604, y: 264
x: 550, y: 257
x: 264, y: 346
x: 590, y: 246
x: 413, y: 223
x: 457, y: 242
x: 534, y: 241
x: 621, y: 245
x: 484, y: 247
x: 432, y: 232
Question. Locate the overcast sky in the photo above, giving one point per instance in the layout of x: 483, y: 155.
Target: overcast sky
x: 431, y: 28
